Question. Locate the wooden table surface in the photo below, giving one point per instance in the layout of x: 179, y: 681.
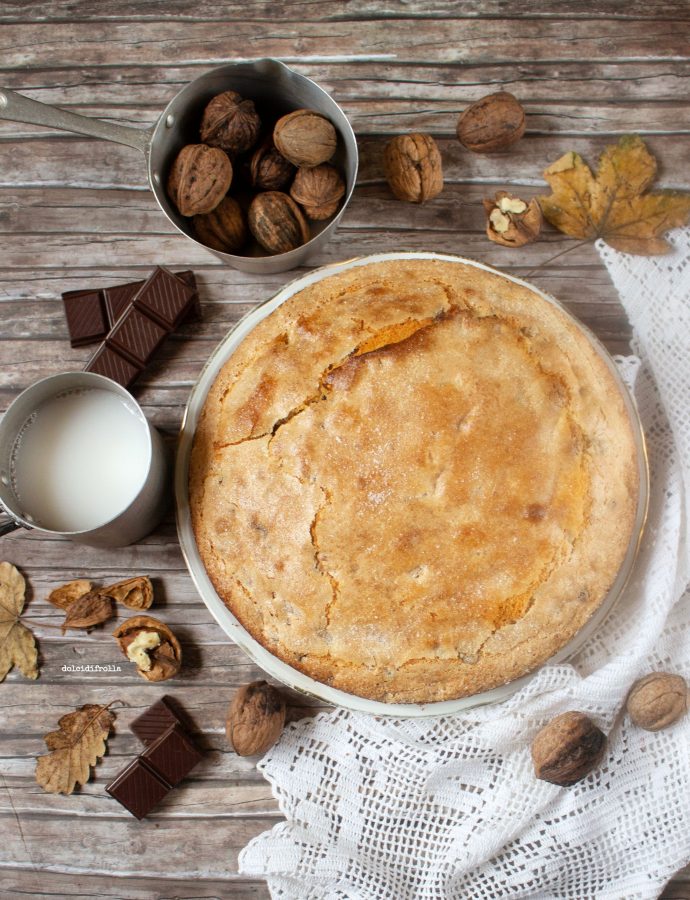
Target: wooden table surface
x: 76, y: 212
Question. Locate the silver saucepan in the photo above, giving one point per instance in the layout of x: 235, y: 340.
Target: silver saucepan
x: 276, y: 90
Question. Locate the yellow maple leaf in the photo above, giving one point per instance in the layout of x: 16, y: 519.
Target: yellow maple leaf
x: 17, y: 643
x: 612, y: 205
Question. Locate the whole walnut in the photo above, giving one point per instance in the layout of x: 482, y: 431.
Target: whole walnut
x: 567, y: 749
x: 318, y: 191
x: 495, y: 122
x: 412, y: 163
x: 224, y: 228
x: 305, y: 138
x: 657, y: 700
x: 277, y: 223
x: 255, y: 718
x: 270, y: 171
x: 511, y: 221
x: 151, y: 646
x: 231, y: 123
x: 199, y: 178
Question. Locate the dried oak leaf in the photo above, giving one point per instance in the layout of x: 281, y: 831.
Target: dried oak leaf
x: 134, y: 593
x: 17, y: 643
x: 89, y: 610
x: 78, y: 745
x: 65, y: 595
x: 612, y: 204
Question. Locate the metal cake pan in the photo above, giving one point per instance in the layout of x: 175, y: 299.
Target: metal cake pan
x: 274, y: 666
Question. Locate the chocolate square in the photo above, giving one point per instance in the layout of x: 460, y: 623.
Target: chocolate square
x: 194, y: 314
x: 110, y: 363
x: 165, y: 297
x: 119, y: 297
x: 154, y: 721
x: 136, y: 336
x: 138, y: 788
x: 86, y: 318
x: 172, y: 755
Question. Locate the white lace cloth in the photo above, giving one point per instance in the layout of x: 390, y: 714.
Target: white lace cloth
x: 449, y: 807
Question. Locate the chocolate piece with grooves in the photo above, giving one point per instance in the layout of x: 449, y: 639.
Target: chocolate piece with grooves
x: 172, y: 755
x: 165, y: 298
x: 107, y: 361
x: 136, y: 337
x: 85, y: 315
x: 138, y: 788
x: 154, y: 721
x: 118, y: 298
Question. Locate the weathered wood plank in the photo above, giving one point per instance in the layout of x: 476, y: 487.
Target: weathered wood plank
x: 328, y: 10
x: 21, y: 883
x: 141, y: 92
x: 439, y: 117
x: 158, y: 888
x: 461, y: 41
x: 153, y: 845
x: 85, y: 164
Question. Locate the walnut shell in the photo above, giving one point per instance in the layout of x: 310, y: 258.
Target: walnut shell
x: 134, y: 593
x: 318, y: 190
x: 657, y: 700
x: 567, y: 749
x: 269, y: 169
x: 199, y: 179
x: 512, y: 222
x: 231, y: 123
x: 255, y: 718
x: 305, y: 138
x: 277, y: 223
x: 224, y: 228
x: 495, y: 122
x: 413, y: 167
x: 151, y: 645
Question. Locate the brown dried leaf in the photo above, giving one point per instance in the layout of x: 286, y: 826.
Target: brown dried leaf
x: 612, y: 204
x: 89, y: 610
x: 17, y: 643
x: 134, y: 593
x: 78, y: 745
x: 66, y: 594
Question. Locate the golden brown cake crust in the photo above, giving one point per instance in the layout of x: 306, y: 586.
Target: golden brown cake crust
x: 415, y: 480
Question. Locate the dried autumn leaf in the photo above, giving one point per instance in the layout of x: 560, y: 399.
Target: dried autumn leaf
x: 134, y: 593
x: 613, y: 204
x: 17, y: 643
x: 78, y: 745
x: 66, y: 594
x: 89, y: 610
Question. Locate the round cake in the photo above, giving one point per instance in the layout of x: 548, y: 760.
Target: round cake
x: 415, y: 480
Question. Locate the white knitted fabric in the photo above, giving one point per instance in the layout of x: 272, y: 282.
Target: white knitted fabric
x: 449, y: 807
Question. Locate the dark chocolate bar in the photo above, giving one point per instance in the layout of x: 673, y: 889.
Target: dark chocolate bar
x: 136, y: 337
x: 90, y: 314
x: 86, y: 317
x: 161, y: 302
x: 172, y: 755
x: 164, y: 297
x: 110, y: 363
x: 138, y: 788
x: 154, y: 721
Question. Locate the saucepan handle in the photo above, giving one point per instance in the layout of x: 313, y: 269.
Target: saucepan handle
x: 18, y: 108
x: 7, y: 524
